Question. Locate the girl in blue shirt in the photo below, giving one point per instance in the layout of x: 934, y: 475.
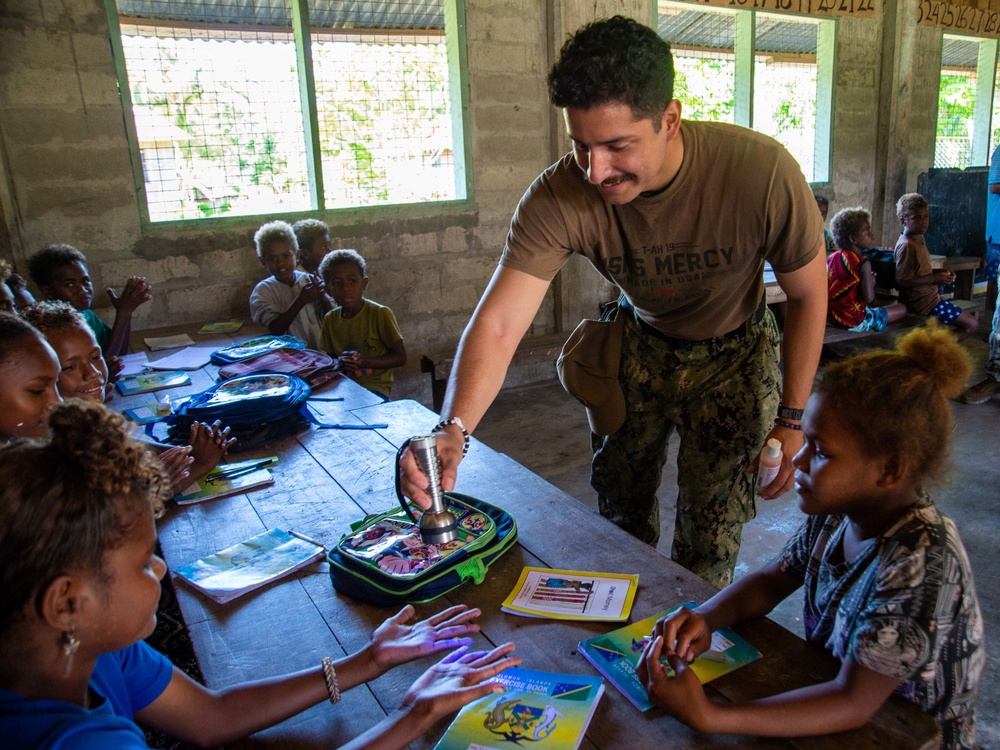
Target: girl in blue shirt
x: 79, y: 588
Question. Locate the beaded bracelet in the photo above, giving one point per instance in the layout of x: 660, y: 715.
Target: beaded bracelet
x: 787, y: 425
x: 458, y: 423
x: 331, y: 679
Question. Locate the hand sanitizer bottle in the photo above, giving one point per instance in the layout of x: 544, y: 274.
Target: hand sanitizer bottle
x: 770, y: 463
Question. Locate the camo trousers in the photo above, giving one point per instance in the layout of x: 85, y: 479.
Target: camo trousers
x: 721, y: 396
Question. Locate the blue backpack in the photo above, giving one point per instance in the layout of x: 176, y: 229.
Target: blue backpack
x: 257, y: 408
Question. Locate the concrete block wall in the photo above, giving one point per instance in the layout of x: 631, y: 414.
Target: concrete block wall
x: 66, y: 172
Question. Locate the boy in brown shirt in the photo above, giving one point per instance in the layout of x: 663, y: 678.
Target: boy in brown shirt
x: 916, y: 280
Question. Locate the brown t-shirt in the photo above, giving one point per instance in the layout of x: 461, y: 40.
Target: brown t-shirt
x: 914, y: 259
x: 690, y: 258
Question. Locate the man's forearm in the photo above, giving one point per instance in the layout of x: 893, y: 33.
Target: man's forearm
x: 805, y: 326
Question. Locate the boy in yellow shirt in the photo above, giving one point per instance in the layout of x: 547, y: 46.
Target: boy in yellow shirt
x: 362, y: 333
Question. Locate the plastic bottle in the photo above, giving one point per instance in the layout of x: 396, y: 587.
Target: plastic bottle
x: 770, y: 463
x: 163, y: 405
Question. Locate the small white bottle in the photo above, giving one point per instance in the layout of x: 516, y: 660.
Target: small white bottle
x: 770, y: 463
x: 163, y: 405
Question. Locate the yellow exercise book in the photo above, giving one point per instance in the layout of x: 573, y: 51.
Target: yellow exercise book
x: 572, y: 595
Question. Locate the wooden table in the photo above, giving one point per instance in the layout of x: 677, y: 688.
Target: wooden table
x: 329, y: 478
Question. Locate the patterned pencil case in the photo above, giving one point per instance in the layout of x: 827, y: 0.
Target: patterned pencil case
x: 383, y: 561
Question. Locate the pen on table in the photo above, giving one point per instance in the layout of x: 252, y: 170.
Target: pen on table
x: 304, y: 538
x: 324, y: 398
x: 238, y: 471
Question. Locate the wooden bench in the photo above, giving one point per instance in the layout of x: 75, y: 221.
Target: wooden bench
x: 533, y: 361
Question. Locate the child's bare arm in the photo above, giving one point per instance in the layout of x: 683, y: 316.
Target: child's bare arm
x: 395, y: 357
x: 134, y: 293
x: 752, y: 596
x: 846, y: 702
x: 311, y: 292
x: 941, y: 276
x: 867, y: 281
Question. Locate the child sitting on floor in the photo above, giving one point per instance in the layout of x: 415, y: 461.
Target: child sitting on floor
x: 362, y: 333
x: 888, y: 587
x: 29, y: 370
x: 83, y: 374
x: 76, y: 671
x: 850, y: 278
x: 917, y: 281
x: 286, y: 301
x: 60, y: 273
x: 313, y: 237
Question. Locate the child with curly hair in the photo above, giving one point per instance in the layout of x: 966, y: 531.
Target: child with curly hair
x: 850, y: 277
x: 60, y: 273
x: 84, y: 374
x: 29, y: 369
x: 79, y: 587
x: 887, y: 582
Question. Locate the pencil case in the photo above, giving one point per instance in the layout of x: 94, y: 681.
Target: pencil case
x: 383, y: 561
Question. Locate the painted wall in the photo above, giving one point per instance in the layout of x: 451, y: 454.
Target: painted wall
x: 66, y: 175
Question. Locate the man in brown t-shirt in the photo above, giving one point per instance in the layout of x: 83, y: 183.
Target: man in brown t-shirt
x: 681, y: 217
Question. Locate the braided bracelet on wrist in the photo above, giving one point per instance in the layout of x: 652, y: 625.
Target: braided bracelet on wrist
x: 787, y: 425
x: 458, y: 423
x: 330, y: 675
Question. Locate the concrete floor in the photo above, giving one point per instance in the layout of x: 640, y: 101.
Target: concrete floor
x: 544, y: 429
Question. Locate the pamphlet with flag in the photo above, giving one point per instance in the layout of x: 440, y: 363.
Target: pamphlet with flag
x: 572, y: 595
x: 540, y: 709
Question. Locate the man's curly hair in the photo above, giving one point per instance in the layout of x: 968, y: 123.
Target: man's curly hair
x: 68, y: 500
x: 614, y: 61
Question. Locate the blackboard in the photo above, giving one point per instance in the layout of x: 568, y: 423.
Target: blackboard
x: 957, y: 201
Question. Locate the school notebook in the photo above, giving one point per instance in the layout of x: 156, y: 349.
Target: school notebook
x: 229, y: 479
x: 248, y: 565
x: 539, y: 709
x: 153, y: 381
x: 221, y: 326
x: 156, y: 343
x: 616, y: 654
x: 572, y: 595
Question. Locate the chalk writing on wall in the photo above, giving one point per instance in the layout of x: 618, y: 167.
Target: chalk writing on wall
x: 955, y: 17
x: 856, y: 8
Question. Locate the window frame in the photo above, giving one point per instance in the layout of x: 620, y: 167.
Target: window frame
x: 458, y: 83
x: 744, y: 56
x: 987, y: 76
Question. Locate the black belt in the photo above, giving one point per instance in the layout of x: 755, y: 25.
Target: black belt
x: 742, y: 329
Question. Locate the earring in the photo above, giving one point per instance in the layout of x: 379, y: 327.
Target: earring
x: 70, y: 644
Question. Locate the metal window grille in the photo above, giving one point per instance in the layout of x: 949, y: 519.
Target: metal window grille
x: 956, y: 102
x: 785, y: 76
x: 222, y: 105
x: 703, y: 43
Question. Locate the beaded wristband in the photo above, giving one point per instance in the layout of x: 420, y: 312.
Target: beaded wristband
x: 331, y: 679
x: 458, y: 423
x: 787, y: 425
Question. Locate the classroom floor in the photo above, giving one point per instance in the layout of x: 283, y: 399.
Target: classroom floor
x: 544, y: 429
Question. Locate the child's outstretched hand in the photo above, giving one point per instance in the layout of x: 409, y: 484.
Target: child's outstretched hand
x: 681, y: 694
x: 457, y: 680
x: 134, y: 293
x: 685, y: 632
x: 394, y: 642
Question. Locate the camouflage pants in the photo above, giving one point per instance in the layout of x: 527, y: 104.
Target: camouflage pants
x: 721, y: 396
